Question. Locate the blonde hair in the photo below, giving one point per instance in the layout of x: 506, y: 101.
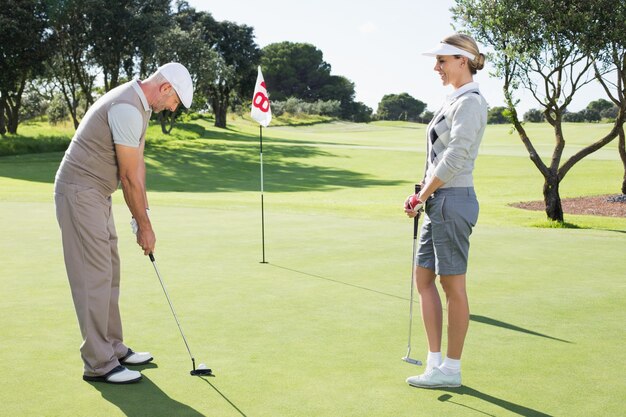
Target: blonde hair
x: 467, y: 43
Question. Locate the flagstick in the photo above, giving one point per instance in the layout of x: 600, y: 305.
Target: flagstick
x: 262, y: 208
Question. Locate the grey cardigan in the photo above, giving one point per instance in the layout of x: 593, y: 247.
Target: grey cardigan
x: 454, y: 135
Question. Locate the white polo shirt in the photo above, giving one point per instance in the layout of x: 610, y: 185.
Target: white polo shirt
x: 126, y: 122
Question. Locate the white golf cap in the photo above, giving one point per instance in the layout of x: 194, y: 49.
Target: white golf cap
x: 447, y: 49
x: 177, y: 75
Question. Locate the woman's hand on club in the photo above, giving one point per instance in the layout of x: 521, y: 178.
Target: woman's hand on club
x: 410, y: 212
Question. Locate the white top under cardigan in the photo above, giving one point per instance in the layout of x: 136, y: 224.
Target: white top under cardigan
x: 454, y: 135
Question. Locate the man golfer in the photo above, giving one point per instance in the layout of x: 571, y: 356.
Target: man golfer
x: 106, y: 150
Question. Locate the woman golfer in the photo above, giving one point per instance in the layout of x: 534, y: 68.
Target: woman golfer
x: 453, y: 137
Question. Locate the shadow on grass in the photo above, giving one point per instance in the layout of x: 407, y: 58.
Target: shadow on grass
x: 224, y: 397
x: 498, y: 323
x: 339, y: 282
x: 550, y: 224
x: 200, y: 132
x: 144, y: 398
x: 507, y: 405
x: 32, y: 167
x: 205, y: 166
x: 473, y: 317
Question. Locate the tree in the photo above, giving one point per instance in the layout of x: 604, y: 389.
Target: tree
x: 57, y: 110
x: 341, y: 89
x: 497, y: 116
x: 294, y: 70
x: 573, y: 117
x: 590, y: 115
x: 534, y: 116
x: 152, y: 18
x: 299, y: 70
x: 359, y: 112
x: 231, y: 71
x: 426, y: 116
x: 599, y: 105
x: 543, y: 46
x: 190, y: 49
x: 111, y: 37
x: 120, y: 29
x: 23, y: 50
x: 610, y: 68
x: 610, y: 113
x: 69, y: 67
x: 583, y: 116
x: 237, y: 71
x: 400, y: 107
x: 34, y: 104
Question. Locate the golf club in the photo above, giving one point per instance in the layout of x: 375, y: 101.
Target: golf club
x: 202, y: 370
x: 416, y: 219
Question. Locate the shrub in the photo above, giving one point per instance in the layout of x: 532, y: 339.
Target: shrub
x: 57, y: 111
x: 610, y: 113
x: 298, y: 106
x: 534, y: 116
x: 33, y: 105
x: 497, y: 115
x: 585, y: 115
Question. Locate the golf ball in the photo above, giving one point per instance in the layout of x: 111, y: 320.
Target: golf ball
x: 202, y: 366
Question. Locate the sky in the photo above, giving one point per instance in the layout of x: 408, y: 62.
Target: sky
x: 377, y: 44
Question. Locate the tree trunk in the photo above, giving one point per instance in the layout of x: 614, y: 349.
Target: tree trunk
x: 3, y: 129
x: 71, y: 102
x: 220, y: 117
x: 622, y: 153
x: 219, y: 102
x: 220, y: 109
x: 552, y: 199
x: 12, y: 111
x: 12, y: 107
x: 13, y: 121
x: 115, y: 78
x: 166, y: 117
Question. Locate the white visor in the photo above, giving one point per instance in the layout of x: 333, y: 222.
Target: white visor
x: 447, y: 49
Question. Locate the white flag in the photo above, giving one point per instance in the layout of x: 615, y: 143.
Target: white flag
x: 261, y: 111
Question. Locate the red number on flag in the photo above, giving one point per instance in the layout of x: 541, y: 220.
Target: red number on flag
x: 261, y: 102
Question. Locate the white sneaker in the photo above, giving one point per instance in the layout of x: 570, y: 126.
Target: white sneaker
x: 118, y: 375
x: 136, y: 358
x: 434, y: 378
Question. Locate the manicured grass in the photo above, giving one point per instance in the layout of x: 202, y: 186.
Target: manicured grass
x: 319, y: 331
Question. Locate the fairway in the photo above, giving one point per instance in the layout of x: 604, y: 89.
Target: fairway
x: 320, y: 330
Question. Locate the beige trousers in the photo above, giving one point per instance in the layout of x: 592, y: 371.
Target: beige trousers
x: 93, y: 269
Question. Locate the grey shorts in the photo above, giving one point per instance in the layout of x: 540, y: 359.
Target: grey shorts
x: 451, y: 213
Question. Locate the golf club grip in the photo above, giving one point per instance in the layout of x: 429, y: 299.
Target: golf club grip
x: 418, y: 188
x: 151, y: 257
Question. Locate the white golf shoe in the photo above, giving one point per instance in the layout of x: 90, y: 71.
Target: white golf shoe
x: 434, y: 378
x: 118, y: 375
x: 136, y: 358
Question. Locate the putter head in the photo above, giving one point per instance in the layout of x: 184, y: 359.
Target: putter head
x: 412, y: 361
x: 201, y: 372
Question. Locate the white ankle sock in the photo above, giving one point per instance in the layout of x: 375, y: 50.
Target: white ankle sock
x: 433, y: 360
x: 450, y: 366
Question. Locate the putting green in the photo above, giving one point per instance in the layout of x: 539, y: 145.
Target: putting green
x: 320, y: 330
